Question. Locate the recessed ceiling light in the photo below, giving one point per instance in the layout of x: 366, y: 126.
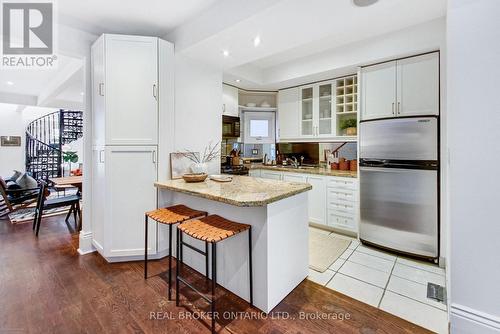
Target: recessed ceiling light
x: 10, y: 83
x: 256, y: 41
x: 237, y: 80
x: 364, y: 3
x: 82, y: 93
x: 225, y: 53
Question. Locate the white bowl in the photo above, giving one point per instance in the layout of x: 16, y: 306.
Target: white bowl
x: 265, y: 105
x: 251, y: 105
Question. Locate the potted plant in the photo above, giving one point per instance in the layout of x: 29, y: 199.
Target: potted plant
x: 70, y: 157
x: 349, y: 126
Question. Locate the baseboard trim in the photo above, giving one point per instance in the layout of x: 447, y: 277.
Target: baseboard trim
x: 126, y: 258
x: 85, y: 243
x: 479, y: 322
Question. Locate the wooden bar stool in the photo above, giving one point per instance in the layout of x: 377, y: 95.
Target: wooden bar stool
x: 169, y: 216
x: 211, y: 229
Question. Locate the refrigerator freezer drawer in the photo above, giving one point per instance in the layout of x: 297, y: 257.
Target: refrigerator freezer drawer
x: 412, y: 138
x: 399, y: 209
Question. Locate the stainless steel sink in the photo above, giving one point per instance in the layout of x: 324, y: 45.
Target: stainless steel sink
x: 299, y: 167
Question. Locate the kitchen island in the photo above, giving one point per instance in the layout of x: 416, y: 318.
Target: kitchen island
x: 278, y: 214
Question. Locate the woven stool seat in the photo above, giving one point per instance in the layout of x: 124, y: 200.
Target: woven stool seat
x: 174, y: 214
x: 212, y: 228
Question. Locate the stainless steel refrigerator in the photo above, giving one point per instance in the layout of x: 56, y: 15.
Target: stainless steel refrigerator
x: 399, y: 184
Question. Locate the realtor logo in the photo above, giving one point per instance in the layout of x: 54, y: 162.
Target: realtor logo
x: 28, y: 34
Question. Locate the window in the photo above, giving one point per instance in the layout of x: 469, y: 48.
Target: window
x: 259, y: 128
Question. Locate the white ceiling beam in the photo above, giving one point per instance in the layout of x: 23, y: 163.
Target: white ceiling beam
x: 60, y: 82
x: 222, y: 15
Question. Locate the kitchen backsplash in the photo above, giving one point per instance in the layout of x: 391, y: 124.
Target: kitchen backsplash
x: 313, y: 153
x: 348, y: 151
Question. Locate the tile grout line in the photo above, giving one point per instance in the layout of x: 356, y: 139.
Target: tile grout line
x: 341, y: 264
x: 386, y: 284
x: 418, y: 268
x: 380, y: 257
x: 390, y: 275
x: 416, y: 281
x: 419, y: 301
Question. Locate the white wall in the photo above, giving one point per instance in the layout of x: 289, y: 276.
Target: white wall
x: 473, y: 52
x: 198, y: 106
x: 13, y: 122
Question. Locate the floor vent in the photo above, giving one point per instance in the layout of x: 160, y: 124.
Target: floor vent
x: 436, y: 292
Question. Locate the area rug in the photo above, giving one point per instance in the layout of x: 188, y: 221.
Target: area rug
x: 28, y: 214
x: 324, y: 249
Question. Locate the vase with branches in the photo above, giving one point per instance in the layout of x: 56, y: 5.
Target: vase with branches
x: 199, y: 166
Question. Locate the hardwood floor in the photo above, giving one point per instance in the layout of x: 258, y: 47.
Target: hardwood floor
x: 46, y: 287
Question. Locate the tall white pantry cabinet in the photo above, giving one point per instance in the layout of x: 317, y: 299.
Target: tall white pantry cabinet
x: 126, y: 92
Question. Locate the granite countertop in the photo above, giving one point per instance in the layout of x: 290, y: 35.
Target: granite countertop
x: 314, y: 170
x: 242, y: 191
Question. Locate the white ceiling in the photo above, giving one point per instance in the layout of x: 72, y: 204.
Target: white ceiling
x: 151, y: 17
x: 291, y: 31
x: 294, y: 29
x: 59, y: 87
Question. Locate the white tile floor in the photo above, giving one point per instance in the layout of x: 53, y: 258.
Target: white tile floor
x: 390, y: 282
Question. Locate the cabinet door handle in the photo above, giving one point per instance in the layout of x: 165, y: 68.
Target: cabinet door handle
x: 154, y: 92
x: 101, y: 158
x: 393, y: 108
x: 154, y: 156
x: 399, y: 108
x: 100, y: 89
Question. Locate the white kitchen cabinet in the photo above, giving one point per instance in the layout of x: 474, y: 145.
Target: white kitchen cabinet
x: 325, y: 113
x: 289, y: 177
x: 230, y: 100
x: 306, y: 111
x: 317, y: 199
x: 123, y: 190
x: 314, y: 112
x: 404, y: 87
x: 98, y: 101
x: 418, y: 85
x: 288, y: 113
x: 342, y: 203
x: 125, y: 90
x: 333, y: 201
x: 267, y: 174
x: 378, y: 91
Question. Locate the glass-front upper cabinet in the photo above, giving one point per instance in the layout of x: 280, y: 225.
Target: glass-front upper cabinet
x: 306, y: 111
x: 325, y: 119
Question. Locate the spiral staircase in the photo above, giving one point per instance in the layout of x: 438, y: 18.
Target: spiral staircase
x: 45, y: 137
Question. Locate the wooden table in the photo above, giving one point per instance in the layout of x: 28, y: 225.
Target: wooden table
x: 75, y: 181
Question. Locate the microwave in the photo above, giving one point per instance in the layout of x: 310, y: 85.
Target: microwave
x: 230, y: 127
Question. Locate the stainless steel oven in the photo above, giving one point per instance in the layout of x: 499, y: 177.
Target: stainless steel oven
x: 230, y: 127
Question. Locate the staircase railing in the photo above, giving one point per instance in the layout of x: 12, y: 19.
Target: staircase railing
x: 44, y: 139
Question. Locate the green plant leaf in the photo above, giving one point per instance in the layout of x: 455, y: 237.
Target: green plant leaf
x: 348, y: 123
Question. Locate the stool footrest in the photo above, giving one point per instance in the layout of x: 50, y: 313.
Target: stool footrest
x: 193, y: 248
x: 202, y: 295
